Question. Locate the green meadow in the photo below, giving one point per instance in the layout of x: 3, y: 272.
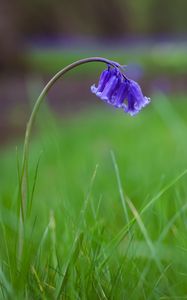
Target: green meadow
x: 106, y: 206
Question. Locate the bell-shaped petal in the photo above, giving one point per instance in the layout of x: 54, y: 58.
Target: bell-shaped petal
x: 135, y: 98
x: 120, y: 94
x: 105, y: 75
x: 110, y: 88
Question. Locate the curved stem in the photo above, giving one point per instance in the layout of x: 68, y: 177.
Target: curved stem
x: 36, y: 108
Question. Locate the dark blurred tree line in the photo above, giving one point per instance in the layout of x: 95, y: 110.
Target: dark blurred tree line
x: 20, y: 19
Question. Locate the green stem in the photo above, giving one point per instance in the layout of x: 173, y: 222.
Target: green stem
x: 33, y: 115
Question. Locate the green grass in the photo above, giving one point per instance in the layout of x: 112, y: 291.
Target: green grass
x: 107, y: 205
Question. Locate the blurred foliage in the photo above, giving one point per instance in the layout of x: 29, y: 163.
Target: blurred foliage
x: 158, y: 60
x: 111, y: 18
x: 20, y: 20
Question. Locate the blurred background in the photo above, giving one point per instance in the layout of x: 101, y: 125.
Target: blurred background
x: 39, y: 37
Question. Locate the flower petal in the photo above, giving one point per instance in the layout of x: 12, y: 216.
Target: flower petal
x: 120, y: 94
x: 109, y: 89
x: 105, y: 75
x: 136, y: 100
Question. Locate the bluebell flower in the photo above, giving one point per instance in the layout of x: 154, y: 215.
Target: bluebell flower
x: 117, y: 90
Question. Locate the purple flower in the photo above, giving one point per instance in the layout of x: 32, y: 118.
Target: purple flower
x: 105, y: 76
x: 136, y: 100
x: 119, y: 91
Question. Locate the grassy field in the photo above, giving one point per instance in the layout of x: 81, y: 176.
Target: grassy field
x: 107, y: 207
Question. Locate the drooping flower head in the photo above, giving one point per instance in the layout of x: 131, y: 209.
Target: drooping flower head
x: 117, y: 90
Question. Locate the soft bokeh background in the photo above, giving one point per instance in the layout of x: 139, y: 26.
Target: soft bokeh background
x: 37, y: 38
